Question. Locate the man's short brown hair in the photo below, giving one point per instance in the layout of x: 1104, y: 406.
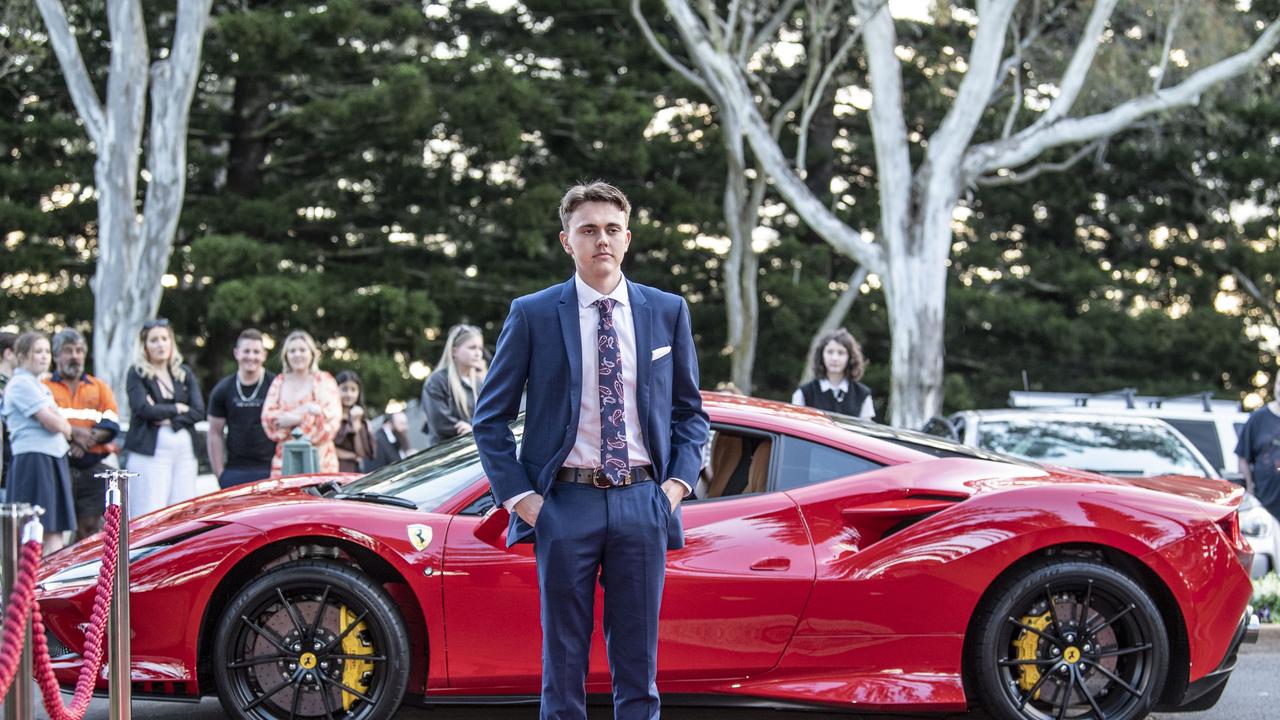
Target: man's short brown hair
x: 594, y: 191
x: 249, y: 334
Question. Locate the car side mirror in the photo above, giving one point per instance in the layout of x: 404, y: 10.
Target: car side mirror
x: 492, y: 529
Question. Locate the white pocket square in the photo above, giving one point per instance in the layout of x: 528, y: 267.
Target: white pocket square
x: 660, y: 352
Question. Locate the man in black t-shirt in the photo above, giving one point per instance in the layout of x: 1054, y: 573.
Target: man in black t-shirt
x: 236, y: 405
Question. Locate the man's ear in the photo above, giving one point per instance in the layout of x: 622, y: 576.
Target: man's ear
x: 564, y: 242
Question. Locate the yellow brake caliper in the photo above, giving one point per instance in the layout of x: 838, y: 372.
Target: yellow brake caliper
x: 355, y: 643
x: 1028, y: 644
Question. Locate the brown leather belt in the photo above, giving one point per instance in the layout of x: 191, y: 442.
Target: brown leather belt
x: 595, y: 476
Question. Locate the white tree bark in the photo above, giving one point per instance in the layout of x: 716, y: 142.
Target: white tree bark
x: 917, y: 204
x: 736, y: 39
x: 133, y: 247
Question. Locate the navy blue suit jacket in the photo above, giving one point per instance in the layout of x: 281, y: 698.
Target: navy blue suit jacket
x: 539, y: 351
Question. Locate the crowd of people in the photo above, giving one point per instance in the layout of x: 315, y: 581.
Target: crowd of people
x: 61, y: 426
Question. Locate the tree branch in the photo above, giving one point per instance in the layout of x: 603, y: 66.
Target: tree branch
x: 1031, y: 142
x: 83, y: 95
x: 948, y: 142
x: 1078, y: 69
x: 1251, y: 288
x: 1016, y: 102
x: 666, y: 56
x: 1168, y: 44
x: 888, y: 124
x: 1016, y: 178
x: 812, y: 104
x: 729, y: 77
x: 770, y: 28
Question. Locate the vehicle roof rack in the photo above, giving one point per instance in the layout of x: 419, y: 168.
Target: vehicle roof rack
x: 1124, y: 398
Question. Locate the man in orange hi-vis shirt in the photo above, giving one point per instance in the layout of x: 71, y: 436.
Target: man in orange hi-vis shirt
x: 89, y: 405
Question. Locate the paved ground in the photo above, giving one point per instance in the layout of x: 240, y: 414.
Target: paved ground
x: 1251, y: 695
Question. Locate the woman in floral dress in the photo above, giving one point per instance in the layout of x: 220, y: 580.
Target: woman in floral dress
x: 305, y: 397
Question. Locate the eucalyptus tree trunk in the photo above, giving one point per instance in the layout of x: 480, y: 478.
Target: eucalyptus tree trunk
x: 741, y: 267
x: 914, y: 237
x: 133, y: 245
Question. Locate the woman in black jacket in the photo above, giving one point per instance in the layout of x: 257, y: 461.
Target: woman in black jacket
x: 165, y: 404
x: 449, y: 395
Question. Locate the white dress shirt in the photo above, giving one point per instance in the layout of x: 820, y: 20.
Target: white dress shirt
x: 586, y: 450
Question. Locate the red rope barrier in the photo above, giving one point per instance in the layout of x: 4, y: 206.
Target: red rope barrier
x: 15, y: 614
x: 93, y: 656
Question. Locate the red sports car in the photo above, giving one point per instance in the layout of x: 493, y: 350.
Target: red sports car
x: 829, y: 562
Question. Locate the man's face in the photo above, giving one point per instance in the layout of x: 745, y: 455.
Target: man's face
x: 250, y: 355
x: 70, y: 360
x: 597, y: 239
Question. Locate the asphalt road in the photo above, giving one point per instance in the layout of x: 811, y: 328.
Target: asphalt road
x: 1251, y: 695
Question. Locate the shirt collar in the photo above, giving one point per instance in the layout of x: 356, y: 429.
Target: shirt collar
x: 57, y: 377
x: 825, y: 385
x: 588, y: 295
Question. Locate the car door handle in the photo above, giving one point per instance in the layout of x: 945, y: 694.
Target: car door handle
x: 771, y: 564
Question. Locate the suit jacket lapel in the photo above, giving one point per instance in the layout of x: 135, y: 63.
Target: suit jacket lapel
x: 641, y: 320
x: 571, y: 331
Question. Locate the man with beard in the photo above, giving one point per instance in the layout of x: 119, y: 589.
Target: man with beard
x: 89, y: 405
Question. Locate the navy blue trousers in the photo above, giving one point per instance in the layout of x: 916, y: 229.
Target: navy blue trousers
x: 619, y: 535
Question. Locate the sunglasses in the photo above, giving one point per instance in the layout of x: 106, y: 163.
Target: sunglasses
x: 158, y: 322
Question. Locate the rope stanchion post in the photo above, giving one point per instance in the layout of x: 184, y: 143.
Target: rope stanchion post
x: 119, y: 689
x: 19, y: 704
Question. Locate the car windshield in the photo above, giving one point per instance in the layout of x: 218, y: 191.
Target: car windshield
x: 431, y: 477
x: 1111, y: 447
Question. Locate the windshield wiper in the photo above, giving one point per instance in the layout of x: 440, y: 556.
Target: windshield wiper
x: 377, y: 498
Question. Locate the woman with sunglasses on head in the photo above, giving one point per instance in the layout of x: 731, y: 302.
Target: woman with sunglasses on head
x: 305, y: 397
x: 39, y: 436
x: 165, y: 403
x: 449, y: 395
x: 354, y: 440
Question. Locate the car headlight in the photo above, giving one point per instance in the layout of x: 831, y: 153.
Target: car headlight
x: 86, y: 573
x: 1254, y: 527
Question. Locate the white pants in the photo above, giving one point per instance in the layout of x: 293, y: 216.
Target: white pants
x: 166, y: 478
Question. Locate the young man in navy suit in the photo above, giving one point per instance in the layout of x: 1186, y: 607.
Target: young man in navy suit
x: 613, y: 438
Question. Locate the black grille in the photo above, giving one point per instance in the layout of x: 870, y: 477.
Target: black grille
x: 56, y: 648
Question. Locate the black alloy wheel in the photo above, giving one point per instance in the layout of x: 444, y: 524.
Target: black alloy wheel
x: 1069, y: 638
x: 311, y: 639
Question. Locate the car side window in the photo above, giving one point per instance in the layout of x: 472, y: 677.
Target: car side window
x: 1204, y: 435
x: 735, y: 462
x: 805, y: 463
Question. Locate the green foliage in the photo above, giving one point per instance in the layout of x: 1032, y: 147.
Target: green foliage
x: 374, y: 174
x: 1266, y: 597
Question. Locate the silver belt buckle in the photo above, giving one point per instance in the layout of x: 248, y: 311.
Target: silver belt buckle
x: 599, y: 480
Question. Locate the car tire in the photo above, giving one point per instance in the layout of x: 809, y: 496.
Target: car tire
x: 356, y: 666
x: 1068, y: 638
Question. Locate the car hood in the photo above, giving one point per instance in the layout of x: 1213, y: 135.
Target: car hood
x: 198, y: 515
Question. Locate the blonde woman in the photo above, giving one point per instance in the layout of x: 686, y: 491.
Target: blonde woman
x: 303, y: 396
x: 38, y: 434
x: 449, y: 395
x: 165, y: 403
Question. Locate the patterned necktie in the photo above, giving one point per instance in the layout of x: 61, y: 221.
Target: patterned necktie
x: 613, y: 429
